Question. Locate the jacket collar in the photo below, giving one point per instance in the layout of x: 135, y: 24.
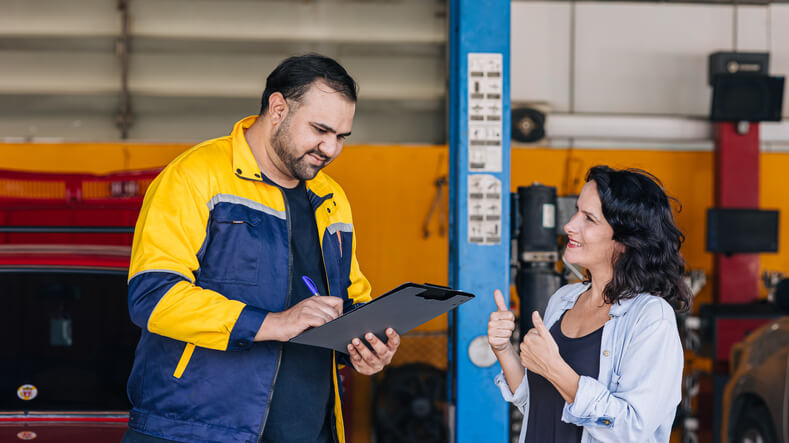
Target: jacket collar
x: 244, y: 164
x: 617, y: 309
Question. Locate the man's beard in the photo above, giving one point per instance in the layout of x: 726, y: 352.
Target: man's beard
x: 299, y: 167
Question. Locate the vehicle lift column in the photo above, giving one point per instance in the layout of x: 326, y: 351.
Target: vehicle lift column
x: 479, y: 217
x: 736, y: 186
x: 736, y: 276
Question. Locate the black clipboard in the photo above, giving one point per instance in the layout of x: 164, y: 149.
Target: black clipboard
x: 402, y: 309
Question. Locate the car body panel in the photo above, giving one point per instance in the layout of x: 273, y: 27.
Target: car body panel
x: 760, y: 374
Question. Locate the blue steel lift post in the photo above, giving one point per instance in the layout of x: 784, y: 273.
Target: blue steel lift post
x: 478, y: 263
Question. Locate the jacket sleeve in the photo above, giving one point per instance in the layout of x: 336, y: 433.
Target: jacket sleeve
x: 519, y: 398
x: 163, y: 298
x: 359, y: 290
x: 646, y: 390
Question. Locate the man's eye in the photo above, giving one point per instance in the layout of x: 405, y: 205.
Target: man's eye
x: 589, y: 218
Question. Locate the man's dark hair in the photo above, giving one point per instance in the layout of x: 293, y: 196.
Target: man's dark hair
x: 636, y: 206
x: 294, y: 76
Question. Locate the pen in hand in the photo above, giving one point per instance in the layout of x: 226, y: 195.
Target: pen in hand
x: 314, y: 289
x: 310, y: 285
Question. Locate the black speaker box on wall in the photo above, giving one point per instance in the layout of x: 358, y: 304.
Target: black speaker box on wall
x: 740, y: 63
x: 752, y: 98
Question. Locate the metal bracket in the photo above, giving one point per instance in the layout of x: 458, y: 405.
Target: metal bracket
x: 123, y: 120
x: 440, y: 183
x: 540, y: 256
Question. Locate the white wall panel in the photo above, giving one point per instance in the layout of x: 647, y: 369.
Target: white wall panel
x: 239, y: 75
x: 417, y: 21
x: 540, y: 53
x: 368, y: 127
x: 57, y: 72
x: 206, y: 61
x: 647, y: 58
x: 61, y: 18
x: 57, y: 128
x: 189, y: 121
x: 752, y: 28
x: 779, y: 46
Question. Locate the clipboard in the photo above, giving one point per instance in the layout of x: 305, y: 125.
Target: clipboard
x: 402, y: 309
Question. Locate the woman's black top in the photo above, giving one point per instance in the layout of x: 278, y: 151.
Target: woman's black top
x: 545, y: 403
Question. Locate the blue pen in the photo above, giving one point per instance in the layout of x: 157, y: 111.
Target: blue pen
x: 310, y: 285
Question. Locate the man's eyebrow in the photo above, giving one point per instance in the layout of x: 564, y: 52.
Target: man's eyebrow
x: 328, y: 128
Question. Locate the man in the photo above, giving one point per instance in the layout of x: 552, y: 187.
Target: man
x: 225, y: 235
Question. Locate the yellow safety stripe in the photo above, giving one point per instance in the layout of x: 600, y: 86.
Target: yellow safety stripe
x: 337, y: 403
x: 185, y: 357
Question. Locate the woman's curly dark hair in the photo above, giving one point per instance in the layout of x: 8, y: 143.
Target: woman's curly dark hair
x: 636, y: 206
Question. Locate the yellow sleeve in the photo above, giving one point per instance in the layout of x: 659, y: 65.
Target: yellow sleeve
x: 163, y: 298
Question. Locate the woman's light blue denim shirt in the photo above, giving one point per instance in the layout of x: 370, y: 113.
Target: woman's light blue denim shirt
x: 639, y: 386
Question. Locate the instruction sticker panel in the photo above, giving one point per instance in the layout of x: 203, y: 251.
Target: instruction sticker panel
x: 484, y: 209
x: 485, y: 88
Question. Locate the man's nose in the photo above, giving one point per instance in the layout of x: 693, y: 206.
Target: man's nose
x: 329, y: 147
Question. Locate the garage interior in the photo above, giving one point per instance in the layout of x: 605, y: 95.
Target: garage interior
x: 96, y: 96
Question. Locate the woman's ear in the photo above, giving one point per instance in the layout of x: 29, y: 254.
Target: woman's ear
x: 619, y: 249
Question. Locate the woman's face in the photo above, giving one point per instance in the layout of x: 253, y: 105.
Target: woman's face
x: 591, y: 242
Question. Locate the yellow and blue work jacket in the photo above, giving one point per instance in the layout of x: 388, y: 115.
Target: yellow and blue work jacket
x: 211, y: 257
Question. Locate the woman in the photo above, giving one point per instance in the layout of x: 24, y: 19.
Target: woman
x: 606, y: 365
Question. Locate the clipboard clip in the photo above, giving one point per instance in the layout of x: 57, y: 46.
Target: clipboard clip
x: 436, y: 292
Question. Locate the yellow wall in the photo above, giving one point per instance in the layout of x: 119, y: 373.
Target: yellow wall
x: 94, y: 158
x: 391, y: 189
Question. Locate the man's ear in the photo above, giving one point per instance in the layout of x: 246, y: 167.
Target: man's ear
x: 277, y: 108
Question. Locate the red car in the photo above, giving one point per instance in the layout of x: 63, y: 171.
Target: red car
x: 67, y: 340
x: 68, y: 343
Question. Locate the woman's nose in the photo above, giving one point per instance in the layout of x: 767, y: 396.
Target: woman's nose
x: 569, y: 227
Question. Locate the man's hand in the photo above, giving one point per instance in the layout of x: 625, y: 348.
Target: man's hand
x: 369, y: 362
x: 501, y: 324
x: 308, y: 313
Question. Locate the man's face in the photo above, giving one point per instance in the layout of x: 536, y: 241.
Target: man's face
x: 313, y: 131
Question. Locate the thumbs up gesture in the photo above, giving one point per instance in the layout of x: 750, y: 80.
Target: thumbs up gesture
x: 539, y: 351
x: 501, y: 324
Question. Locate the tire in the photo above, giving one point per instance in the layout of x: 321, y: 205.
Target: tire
x: 409, y: 405
x: 754, y: 426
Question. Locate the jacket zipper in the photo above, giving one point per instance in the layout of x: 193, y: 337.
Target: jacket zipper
x: 287, y: 304
x: 333, y: 361
x: 333, y: 357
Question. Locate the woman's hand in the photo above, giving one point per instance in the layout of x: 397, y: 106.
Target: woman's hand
x: 540, y: 354
x: 539, y: 351
x: 500, y: 328
x: 501, y: 325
